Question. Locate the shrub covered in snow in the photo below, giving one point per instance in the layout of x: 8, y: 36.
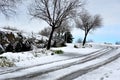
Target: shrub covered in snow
x: 13, y: 40
x: 75, y: 46
x: 58, y: 51
x: 41, y: 52
x: 79, y: 45
x: 19, y: 46
x: 58, y: 42
x: 4, y: 62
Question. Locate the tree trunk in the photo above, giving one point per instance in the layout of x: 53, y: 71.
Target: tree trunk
x: 84, y: 41
x: 50, y: 38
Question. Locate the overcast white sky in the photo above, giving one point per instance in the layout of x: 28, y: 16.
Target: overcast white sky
x: 108, y: 9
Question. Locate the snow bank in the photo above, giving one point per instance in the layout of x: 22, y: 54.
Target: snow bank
x: 23, y: 56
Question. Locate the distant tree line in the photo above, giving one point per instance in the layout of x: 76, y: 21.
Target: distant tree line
x: 117, y: 43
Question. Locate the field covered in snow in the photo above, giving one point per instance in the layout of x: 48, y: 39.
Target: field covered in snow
x: 40, y: 56
x: 36, y: 57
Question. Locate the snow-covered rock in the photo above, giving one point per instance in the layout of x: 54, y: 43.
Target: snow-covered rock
x: 12, y: 38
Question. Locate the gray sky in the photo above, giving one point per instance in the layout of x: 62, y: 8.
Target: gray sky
x: 108, y: 9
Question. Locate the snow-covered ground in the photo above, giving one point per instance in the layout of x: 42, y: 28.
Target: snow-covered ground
x: 110, y: 71
x: 65, y: 71
x: 70, y: 49
x: 41, y: 56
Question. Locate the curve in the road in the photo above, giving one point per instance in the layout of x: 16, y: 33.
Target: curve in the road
x: 87, y: 58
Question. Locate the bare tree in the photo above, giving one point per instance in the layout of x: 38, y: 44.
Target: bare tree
x: 87, y: 23
x: 65, y: 27
x: 58, y: 33
x: 45, y: 32
x: 7, y: 7
x: 54, y: 12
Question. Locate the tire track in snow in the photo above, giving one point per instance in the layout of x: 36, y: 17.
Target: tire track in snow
x: 87, y: 58
x: 21, y: 68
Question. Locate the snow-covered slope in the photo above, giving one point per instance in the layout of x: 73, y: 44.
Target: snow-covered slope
x: 24, y: 34
x: 42, y: 55
x: 14, y: 40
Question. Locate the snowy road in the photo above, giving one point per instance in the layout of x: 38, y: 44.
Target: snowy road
x: 71, y: 68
